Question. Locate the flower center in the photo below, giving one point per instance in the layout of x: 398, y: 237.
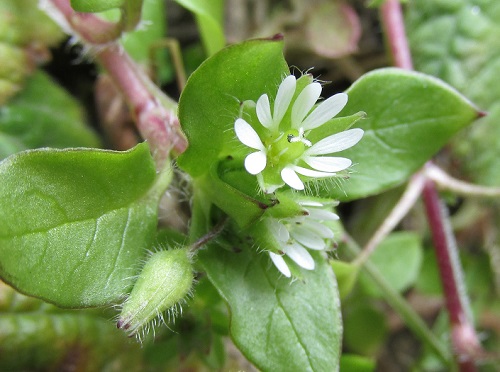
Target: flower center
x: 287, y: 148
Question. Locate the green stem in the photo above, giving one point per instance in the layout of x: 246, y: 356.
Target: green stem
x: 163, y: 180
x: 399, y: 304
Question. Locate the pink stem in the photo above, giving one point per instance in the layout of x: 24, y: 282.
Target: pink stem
x: 91, y: 29
x: 154, y: 113
x: 158, y: 124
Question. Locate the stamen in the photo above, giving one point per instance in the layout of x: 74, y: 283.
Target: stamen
x: 300, y: 138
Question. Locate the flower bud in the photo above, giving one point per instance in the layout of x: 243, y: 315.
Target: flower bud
x: 162, y: 285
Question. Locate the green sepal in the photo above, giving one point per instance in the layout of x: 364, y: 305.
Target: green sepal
x: 244, y: 208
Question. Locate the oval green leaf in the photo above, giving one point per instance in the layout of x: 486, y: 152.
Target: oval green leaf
x: 410, y: 116
x: 211, y: 100
x: 74, y: 224
x: 398, y: 259
x: 296, y: 326
x: 210, y: 18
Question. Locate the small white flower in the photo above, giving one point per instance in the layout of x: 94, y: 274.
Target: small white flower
x: 298, y: 234
x: 284, y: 149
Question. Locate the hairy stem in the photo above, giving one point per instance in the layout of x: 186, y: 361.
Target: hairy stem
x: 89, y: 28
x: 153, y: 111
x: 156, y: 122
x: 464, y: 338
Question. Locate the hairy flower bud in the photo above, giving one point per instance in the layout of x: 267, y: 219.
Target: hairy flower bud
x: 162, y: 285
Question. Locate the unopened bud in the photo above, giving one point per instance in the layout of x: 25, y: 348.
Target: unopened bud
x: 163, y: 284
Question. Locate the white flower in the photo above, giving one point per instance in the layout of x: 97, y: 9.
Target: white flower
x: 298, y: 234
x: 283, y: 147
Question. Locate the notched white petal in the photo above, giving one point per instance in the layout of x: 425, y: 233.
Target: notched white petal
x: 304, y: 103
x: 291, y: 179
x: 283, y: 98
x: 279, y: 230
x: 263, y: 109
x: 319, y: 229
x: 280, y: 264
x: 255, y: 162
x: 312, y: 173
x: 336, y: 142
x: 300, y: 256
x: 307, y: 238
x: 322, y: 215
x: 327, y: 164
x: 325, y: 111
x: 247, y: 135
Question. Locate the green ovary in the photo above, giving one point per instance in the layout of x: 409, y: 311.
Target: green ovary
x: 283, y: 152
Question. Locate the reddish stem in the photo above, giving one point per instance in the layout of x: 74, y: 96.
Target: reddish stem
x: 464, y: 338
x: 463, y: 335
x: 436, y: 216
x: 392, y: 18
x: 153, y: 112
x: 90, y: 28
x: 156, y: 123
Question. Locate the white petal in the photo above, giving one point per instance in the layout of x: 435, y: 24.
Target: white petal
x: 263, y: 109
x: 327, y: 164
x: 255, y: 162
x: 325, y: 111
x: 336, y: 142
x: 279, y: 230
x: 247, y: 135
x: 318, y: 228
x: 280, y: 264
x: 283, y: 98
x: 304, y: 103
x: 322, y: 215
x: 310, y: 203
x: 291, y: 179
x: 300, y: 255
x: 307, y: 238
x: 311, y: 173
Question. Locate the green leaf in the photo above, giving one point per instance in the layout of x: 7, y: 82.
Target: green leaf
x: 43, y: 114
x: 210, y: 18
x: 54, y: 341
x: 141, y: 42
x: 428, y: 281
x: 365, y: 329
x: 346, y: 274
x: 296, y: 326
x: 410, y: 116
x: 75, y: 223
x: 210, y: 102
x: 458, y: 42
x: 398, y: 259
x: 94, y: 6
